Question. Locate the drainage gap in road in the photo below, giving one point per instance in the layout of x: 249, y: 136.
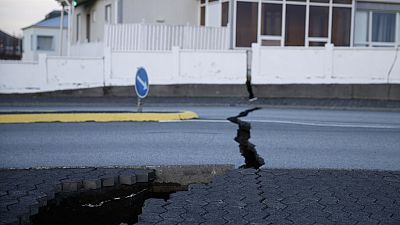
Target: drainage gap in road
x: 247, y: 149
x: 105, y: 207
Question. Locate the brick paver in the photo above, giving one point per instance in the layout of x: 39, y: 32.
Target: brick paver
x: 277, y: 196
x: 23, y: 192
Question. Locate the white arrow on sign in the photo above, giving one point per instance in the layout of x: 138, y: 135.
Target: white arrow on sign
x: 144, y: 84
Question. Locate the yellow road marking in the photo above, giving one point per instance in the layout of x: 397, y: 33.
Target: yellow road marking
x: 96, y: 117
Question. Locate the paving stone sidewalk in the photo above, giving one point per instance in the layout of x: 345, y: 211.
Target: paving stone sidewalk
x: 23, y: 192
x: 276, y: 196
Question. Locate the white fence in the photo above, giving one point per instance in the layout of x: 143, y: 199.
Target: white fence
x: 161, y: 37
x: 325, y: 65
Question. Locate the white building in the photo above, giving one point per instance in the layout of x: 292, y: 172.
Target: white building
x: 308, y: 23
x: 44, y: 37
x: 346, y: 49
x: 90, y: 17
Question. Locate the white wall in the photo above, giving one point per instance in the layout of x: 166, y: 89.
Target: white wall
x: 212, y: 67
x: 179, y: 67
x: 213, y: 14
x: 119, y: 68
x: 366, y: 65
x: 71, y: 73
x: 325, y: 65
x: 166, y: 11
x: 92, y: 49
x: 22, y: 77
x: 269, y: 66
x: 51, y: 74
x: 159, y: 66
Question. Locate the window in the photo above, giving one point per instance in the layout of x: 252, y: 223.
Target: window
x: 271, y: 19
x: 319, y: 20
x: 78, y: 27
x: 108, y: 14
x: 88, y: 27
x: 294, y: 22
x: 120, y: 14
x: 270, y: 42
x: 246, y: 23
x: 361, y: 29
x: 318, y: 25
x: 295, y: 25
x: 224, y: 14
x: 398, y: 29
x: 202, y: 16
x: 375, y: 28
x: 44, y: 43
x: 32, y: 42
x: 343, y: 1
x: 271, y: 24
x: 341, y: 26
x: 321, y: 1
x: 377, y: 24
x: 383, y: 27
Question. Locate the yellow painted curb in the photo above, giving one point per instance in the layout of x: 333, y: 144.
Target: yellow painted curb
x: 95, y: 117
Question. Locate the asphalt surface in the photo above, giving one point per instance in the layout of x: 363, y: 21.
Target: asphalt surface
x: 285, y: 138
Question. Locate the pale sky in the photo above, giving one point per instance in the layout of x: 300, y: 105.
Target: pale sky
x: 16, y: 14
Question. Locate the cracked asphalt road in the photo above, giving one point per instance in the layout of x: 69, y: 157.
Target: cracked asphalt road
x: 284, y: 138
x: 278, y: 196
x: 287, y: 138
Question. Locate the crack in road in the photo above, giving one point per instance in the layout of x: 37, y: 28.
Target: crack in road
x: 247, y: 149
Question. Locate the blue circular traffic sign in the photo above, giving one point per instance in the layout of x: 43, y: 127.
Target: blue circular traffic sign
x: 141, y: 83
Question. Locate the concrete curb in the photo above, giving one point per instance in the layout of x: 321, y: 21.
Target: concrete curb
x: 94, y: 117
x: 355, y: 91
x: 189, y: 174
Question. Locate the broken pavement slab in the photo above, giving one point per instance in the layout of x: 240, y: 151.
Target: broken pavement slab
x: 24, y: 191
x: 75, y: 117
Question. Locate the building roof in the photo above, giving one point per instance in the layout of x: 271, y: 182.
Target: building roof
x: 52, y: 22
x: 4, y: 36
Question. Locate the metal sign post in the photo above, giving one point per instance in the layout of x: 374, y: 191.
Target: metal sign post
x: 141, y: 86
x: 139, y: 105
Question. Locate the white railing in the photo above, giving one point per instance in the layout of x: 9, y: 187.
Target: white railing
x: 161, y: 37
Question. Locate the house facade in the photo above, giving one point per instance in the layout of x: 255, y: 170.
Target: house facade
x: 44, y: 37
x: 310, y: 23
x: 306, y: 23
x: 90, y: 17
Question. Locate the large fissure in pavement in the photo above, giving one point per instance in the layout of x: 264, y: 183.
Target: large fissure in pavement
x: 247, y: 149
x: 106, y: 207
